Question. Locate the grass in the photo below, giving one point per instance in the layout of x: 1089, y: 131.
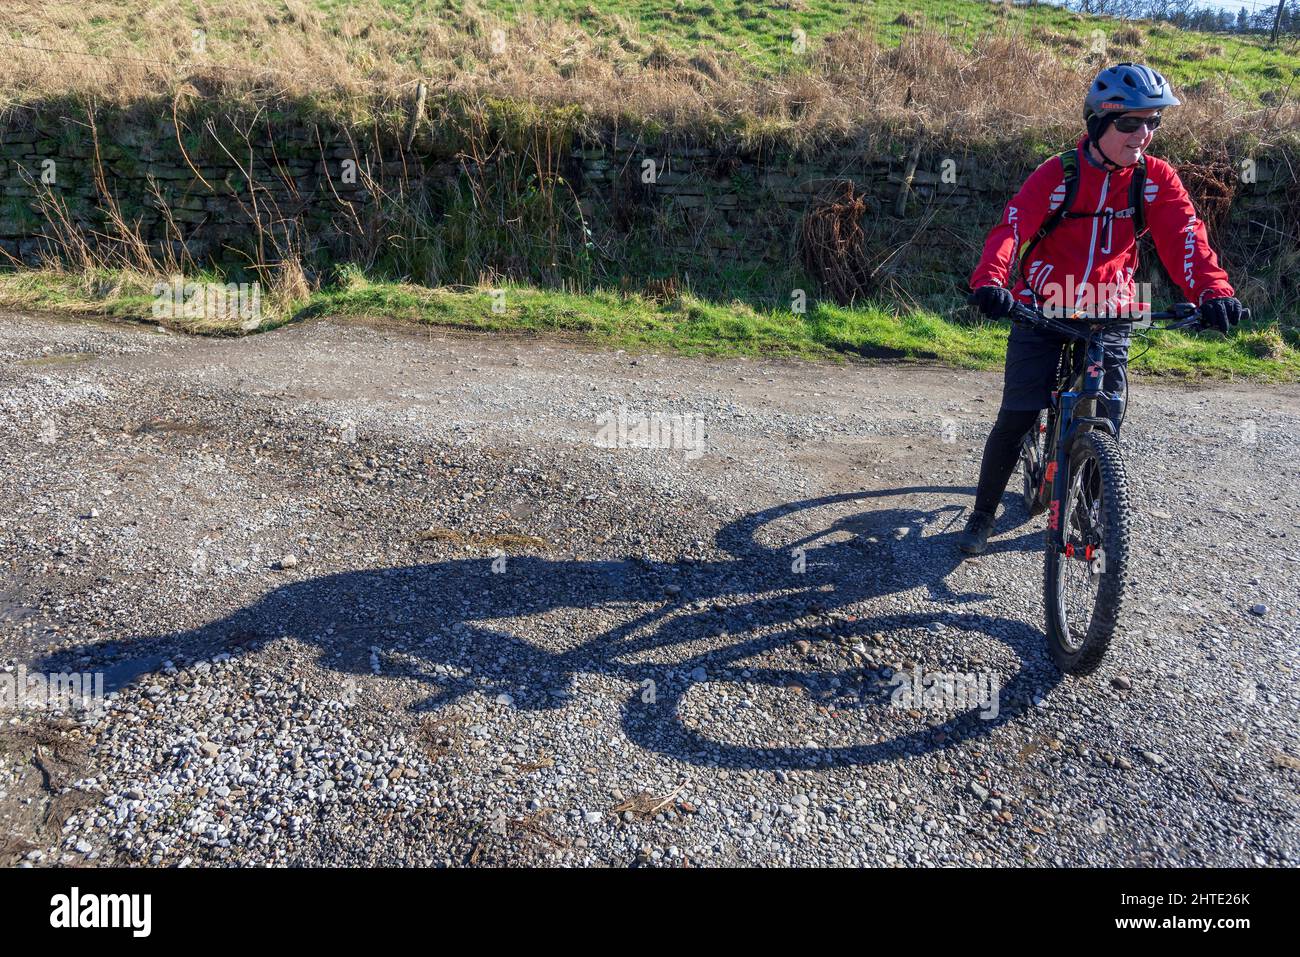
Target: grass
x: 410, y: 36
x: 733, y: 65
x: 683, y: 324
x: 127, y: 295
x: 762, y: 33
x: 725, y: 67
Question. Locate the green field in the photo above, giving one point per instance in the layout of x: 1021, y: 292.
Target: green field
x: 762, y: 34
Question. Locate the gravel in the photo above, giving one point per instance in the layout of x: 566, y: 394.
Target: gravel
x: 364, y: 594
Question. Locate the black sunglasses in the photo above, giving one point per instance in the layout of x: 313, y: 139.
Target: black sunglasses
x: 1131, y: 124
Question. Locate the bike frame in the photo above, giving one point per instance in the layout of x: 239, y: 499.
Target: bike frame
x: 1076, y: 406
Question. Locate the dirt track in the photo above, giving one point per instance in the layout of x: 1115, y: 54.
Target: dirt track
x: 503, y: 643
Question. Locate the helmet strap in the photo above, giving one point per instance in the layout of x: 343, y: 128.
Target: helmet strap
x: 1106, y: 160
x: 1095, y: 132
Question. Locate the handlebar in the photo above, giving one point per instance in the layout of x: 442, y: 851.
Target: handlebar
x: 1182, y: 315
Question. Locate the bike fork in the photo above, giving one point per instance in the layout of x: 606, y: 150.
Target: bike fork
x: 1056, y: 473
x: 1066, y: 431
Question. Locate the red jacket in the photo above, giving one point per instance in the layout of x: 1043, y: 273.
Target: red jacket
x: 1096, y: 255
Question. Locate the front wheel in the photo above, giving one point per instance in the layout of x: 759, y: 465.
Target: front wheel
x: 1084, y: 590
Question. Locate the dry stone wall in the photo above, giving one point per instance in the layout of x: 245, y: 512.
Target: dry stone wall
x: 223, y: 196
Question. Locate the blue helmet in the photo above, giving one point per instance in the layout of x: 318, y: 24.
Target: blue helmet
x: 1121, y: 88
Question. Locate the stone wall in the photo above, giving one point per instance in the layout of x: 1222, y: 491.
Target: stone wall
x: 743, y: 209
x: 207, y: 191
x: 313, y: 187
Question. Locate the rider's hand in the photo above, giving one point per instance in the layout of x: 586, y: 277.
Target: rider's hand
x: 1220, y: 313
x: 994, y: 301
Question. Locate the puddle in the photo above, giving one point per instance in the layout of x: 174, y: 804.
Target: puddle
x: 12, y: 611
x: 503, y: 541
x: 125, y: 672
x: 160, y: 426
x: 57, y: 358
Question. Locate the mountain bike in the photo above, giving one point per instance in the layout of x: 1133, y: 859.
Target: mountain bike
x: 1073, y: 471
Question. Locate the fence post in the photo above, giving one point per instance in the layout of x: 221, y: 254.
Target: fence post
x: 417, y: 111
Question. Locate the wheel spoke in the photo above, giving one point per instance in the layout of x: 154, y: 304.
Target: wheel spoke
x: 1084, y: 526
x: 1085, y: 588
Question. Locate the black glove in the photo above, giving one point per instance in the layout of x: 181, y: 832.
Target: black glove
x: 994, y: 301
x: 1220, y: 313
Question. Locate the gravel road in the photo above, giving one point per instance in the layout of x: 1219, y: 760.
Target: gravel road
x: 369, y: 594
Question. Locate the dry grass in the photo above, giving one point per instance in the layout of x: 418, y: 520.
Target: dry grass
x: 541, y: 74
x: 1130, y: 36
x: 646, y: 804
x: 1050, y: 37
x: 1204, y: 52
x: 850, y: 85
x: 1268, y: 344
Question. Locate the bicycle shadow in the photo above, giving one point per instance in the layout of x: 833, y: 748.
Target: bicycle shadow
x: 451, y: 624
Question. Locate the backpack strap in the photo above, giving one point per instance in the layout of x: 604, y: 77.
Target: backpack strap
x: 1070, y: 167
x: 1137, y: 199
x: 1070, y: 164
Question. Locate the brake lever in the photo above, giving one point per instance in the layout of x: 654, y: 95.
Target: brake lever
x: 1196, y: 322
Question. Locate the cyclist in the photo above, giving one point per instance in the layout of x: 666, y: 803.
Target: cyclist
x: 1084, y: 256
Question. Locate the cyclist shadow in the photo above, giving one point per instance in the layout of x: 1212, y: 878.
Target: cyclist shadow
x: 451, y: 626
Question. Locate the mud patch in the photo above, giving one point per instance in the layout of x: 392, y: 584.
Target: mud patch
x: 170, y: 427
x: 471, y: 540
x: 57, y: 359
x: 12, y: 611
x: 40, y: 761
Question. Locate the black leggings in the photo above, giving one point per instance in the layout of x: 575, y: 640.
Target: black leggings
x: 1001, y: 452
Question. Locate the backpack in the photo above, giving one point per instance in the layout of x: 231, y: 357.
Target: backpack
x: 1070, y: 163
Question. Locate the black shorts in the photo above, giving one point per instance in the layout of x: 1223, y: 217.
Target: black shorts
x: 1032, y: 359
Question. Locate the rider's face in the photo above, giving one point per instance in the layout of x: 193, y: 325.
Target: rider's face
x: 1126, y: 148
